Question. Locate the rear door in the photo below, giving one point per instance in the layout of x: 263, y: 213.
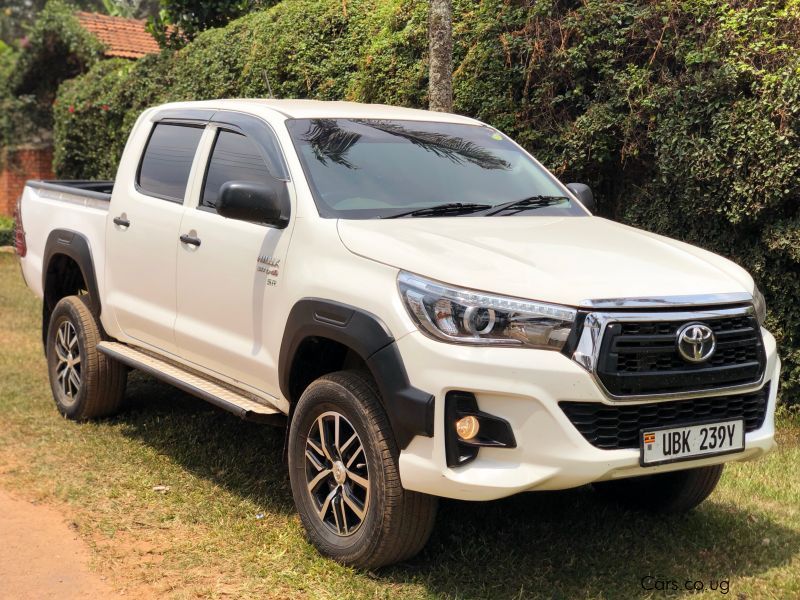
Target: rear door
x: 229, y: 284
x: 143, y: 230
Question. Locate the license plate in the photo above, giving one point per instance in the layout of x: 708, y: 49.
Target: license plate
x: 670, y: 444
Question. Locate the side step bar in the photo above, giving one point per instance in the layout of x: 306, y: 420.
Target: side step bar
x: 193, y: 383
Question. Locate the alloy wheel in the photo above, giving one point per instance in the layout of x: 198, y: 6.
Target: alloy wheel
x: 68, y: 369
x: 336, y: 473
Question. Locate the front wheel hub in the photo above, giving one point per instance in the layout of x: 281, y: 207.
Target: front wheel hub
x: 339, y: 472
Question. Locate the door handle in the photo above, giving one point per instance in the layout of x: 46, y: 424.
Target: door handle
x: 122, y: 221
x: 188, y: 239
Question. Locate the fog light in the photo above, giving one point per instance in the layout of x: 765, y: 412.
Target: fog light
x: 467, y: 427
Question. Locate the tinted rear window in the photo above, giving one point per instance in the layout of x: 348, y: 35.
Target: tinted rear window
x: 167, y: 160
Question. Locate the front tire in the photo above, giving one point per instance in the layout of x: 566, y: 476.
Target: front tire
x: 345, y: 479
x: 674, y: 492
x: 85, y: 383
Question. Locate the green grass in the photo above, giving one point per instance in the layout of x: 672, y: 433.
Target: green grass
x: 202, y: 537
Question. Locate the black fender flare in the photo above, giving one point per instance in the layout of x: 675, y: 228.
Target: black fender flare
x: 76, y: 246
x: 410, y: 410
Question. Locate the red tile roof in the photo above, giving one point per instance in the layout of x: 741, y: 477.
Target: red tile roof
x: 122, y: 37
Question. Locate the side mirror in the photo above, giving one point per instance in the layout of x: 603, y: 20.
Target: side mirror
x: 584, y: 194
x: 255, y: 201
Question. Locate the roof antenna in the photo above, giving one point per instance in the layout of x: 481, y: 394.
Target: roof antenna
x: 266, y: 80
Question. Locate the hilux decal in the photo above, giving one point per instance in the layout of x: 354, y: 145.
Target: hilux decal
x: 270, y: 267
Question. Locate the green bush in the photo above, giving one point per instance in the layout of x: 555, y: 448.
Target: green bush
x: 681, y: 114
x: 6, y: 231
x: 89, y: 108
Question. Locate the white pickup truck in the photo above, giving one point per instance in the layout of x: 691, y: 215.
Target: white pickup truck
x: 426, y: 309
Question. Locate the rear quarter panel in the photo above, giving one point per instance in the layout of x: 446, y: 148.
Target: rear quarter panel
x: 43, y: 211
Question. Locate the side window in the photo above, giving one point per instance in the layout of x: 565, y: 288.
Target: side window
x: 167, y: 160
x: 234, y: 158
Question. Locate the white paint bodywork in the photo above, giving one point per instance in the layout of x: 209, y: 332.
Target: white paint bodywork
x: 565, y: 260
x: 209, y: 309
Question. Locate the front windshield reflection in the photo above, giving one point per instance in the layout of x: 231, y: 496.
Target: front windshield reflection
x: 373, y: 168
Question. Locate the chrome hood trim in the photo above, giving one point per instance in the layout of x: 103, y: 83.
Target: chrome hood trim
x: 669, y: 301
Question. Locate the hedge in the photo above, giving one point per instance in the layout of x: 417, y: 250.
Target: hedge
x: 682, y: 114
x: 6, y: 231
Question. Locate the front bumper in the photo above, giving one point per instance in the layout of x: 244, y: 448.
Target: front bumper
x: 524, y: 387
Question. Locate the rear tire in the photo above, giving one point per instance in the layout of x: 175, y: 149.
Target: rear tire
x: 85, y: 383
x: 335, y: 478
x: 674, y: 492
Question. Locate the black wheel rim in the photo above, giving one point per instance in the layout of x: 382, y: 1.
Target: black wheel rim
x: 68, y: 367
x: 337, y: 477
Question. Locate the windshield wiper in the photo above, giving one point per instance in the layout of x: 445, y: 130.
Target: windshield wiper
x: 526, y: 203
x: 454, y: 208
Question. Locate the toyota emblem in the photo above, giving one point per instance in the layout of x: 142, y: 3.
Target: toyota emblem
x: 696, y: 342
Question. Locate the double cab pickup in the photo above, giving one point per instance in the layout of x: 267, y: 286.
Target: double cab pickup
x: 425, y: 309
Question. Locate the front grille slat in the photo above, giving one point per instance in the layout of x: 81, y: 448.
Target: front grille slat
x: 634, y: 339
x: 731, y: 333
x: 708, y: 374
x: 641, y: 358
x: 617, y: 427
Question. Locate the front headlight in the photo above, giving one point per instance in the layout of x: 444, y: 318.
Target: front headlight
x: 760, y: 305
x: 463, y: 316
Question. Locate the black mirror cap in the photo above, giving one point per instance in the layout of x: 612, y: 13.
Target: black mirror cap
x: 584, y: 194
x: 255, y: 201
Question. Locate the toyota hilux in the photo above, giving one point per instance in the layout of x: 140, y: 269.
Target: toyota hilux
x: 423, y: 306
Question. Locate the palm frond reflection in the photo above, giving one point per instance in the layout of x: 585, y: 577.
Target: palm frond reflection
x: 331, y: 142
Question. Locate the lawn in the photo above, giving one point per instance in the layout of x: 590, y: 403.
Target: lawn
x: 225, y: 527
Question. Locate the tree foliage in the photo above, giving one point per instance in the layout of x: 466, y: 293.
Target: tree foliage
x: 17, y: 16
x: 683, y: 115
x: 55, y: 48
x: 179, y: 21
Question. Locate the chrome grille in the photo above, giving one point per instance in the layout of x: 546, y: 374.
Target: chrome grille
x: 641, y: 357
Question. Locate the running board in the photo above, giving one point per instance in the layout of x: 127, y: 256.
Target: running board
x: 193, y: 383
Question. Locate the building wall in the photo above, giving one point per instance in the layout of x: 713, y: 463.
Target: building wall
x: 19, y: 165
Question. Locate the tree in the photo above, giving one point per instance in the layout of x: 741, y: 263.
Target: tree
x: 179, y: 21
x: 16, y: 16
x: 130, y: 9
x: 440, y: 58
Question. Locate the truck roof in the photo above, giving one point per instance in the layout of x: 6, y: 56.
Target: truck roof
x: 317, y: 109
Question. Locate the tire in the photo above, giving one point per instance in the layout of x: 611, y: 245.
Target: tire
x: 396, y: 523
x: 86, y: 385
x: 674, y: 492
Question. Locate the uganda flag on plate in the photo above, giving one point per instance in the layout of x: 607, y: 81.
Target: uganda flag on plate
x: 649, y: 438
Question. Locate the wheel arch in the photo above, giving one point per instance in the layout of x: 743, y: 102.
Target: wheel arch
x: 343, y: 334
x: 67, y: 268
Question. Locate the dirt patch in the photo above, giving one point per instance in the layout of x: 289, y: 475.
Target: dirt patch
x: 41, y: 557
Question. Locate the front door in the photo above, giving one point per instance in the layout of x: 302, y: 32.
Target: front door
x: 230, y: 275
x: 142, y: 236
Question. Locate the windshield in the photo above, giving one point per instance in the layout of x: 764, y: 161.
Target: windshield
x: 367, y: 168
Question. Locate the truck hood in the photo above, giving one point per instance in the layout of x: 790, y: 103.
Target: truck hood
x: 554, y: 259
